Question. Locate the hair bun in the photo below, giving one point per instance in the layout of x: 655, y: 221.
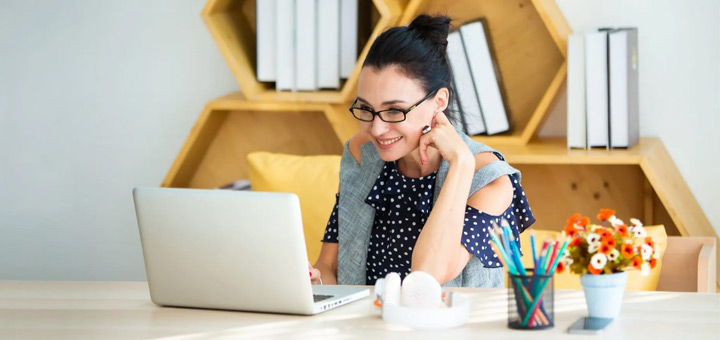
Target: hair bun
x: 433, y: 29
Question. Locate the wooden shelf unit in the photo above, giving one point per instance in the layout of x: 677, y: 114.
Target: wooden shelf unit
x: 530, y: 37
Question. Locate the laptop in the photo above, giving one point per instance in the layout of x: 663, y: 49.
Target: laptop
x: 232, y: 250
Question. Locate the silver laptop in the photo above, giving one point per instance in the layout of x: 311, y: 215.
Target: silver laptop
x: 236, y: 250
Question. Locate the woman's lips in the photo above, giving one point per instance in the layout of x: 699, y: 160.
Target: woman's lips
x: 387, y: 142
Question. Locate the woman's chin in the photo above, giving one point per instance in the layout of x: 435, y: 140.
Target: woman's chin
x: 389, y: 155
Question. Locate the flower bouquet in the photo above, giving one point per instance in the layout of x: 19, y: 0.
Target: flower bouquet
x: 602, y: 253
x: 610, y: 247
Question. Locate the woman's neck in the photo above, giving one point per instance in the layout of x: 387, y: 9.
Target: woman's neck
x: 410, y: 165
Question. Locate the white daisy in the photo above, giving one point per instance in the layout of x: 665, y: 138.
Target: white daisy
x: 645, y: 269
x: 593, y: 247
x: 598, y: 261
x: 639, y: 232
x: 635, y: 222
x: 614, y: 221
x: 613, y: 256
x: 592, y: 238
x: 646, y: 251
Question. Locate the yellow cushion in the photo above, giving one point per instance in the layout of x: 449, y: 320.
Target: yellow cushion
x: 567, y: 280
x: 313, y: 178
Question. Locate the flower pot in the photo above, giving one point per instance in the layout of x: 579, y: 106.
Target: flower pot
x: 604, y: 293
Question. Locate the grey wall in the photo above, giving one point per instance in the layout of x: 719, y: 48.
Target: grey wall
x: 97, y: 97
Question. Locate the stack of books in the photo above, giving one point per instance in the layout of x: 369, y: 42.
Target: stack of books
x: 602, y: 89
x: 306, y: 45
x: 479, y: 97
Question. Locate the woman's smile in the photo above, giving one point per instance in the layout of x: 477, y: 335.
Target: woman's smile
x: 386, y: 143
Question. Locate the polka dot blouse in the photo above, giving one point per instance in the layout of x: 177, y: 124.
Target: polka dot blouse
x: 402, y: 205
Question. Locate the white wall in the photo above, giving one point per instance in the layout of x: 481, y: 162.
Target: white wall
x: 96, y: 97
x: 679, y: 60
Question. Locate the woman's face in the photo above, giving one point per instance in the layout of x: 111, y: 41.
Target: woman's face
x: 389, y: 89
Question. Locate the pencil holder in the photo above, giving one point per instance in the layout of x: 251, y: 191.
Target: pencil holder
x: 530, y: 301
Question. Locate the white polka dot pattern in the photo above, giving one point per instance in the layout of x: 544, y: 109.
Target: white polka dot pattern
x: 402, y: 205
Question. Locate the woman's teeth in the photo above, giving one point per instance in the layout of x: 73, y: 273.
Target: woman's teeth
x: 388, y: 142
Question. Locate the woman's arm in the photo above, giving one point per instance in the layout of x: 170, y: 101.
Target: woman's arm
x: 439, y: 250
x: 327, y: 263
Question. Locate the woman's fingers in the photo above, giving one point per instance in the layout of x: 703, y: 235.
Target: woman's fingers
x: 314, y: 273
x: 425, y: 141
x: 441, y: 119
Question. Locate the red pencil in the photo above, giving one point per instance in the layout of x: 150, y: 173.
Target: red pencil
x: 552, y: 257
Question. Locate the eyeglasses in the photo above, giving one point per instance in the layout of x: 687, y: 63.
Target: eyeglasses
x: 389, y: 116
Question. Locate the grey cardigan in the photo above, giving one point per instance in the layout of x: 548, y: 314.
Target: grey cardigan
x: 355, y: 220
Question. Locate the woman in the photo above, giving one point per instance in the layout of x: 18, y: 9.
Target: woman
x: 416, y: 194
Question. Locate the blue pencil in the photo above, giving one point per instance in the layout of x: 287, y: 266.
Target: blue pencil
x: 532, y: 244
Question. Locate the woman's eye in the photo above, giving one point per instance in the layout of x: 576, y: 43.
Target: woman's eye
x: 395, y: 110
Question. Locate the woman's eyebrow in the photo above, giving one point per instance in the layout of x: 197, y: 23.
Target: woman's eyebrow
x: 389, y: 102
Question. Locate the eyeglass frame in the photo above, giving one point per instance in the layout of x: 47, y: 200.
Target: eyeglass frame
x: 377, y: 113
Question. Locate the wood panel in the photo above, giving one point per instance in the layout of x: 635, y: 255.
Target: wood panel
x: 555, y: 192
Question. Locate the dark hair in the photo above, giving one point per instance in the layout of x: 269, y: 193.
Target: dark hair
x: 418, y: 50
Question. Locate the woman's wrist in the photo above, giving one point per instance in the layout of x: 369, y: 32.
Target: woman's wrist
x: 463, y: 159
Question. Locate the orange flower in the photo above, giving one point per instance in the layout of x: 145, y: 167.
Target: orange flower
x: 627, y: 250
x: 609, y: 241
x: 622, y: 230
x: 592, y: 270
x: 570, y: 230
x: 584, y: 222
x: 637, y: 262
x: 605, y: 249
x: 576, y: 241
x: 653, y: 263
x: 574, y: 218
x: 649, y: 241
x: 560, y: 267
x: 605, y: 214
x: 603, y: 232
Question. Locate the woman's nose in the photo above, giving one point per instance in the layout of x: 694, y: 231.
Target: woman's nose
x: 378, y: 127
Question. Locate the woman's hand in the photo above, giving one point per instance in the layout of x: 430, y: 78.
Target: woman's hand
x: 445, y: 139
x: 314, y: 275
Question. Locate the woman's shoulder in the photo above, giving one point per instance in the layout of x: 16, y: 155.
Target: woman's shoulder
x: 484, y: 158
x: 354, y: 145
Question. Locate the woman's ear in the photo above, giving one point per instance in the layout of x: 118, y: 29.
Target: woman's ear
x: 442, y: 99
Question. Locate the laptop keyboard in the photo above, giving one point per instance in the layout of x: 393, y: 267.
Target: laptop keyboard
x: 319, y: 297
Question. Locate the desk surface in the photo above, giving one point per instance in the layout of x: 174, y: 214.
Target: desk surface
x: 107, y: 310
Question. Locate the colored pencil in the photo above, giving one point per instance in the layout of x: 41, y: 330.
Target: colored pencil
x: 538, y: 294
x: 532, y: 244
x: 552, y: 257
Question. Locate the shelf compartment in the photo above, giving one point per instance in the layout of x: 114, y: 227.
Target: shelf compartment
x: 230, y: 127
x: 232, y: 25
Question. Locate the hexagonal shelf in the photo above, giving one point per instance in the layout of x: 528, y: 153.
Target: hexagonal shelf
x: 530, y: 44
x: 230, y: 127
x: 232, y: 25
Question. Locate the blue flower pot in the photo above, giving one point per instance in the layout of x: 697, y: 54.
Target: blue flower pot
x: 604, y: 293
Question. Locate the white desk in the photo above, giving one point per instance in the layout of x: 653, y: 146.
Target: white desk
x: 123, y: 310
